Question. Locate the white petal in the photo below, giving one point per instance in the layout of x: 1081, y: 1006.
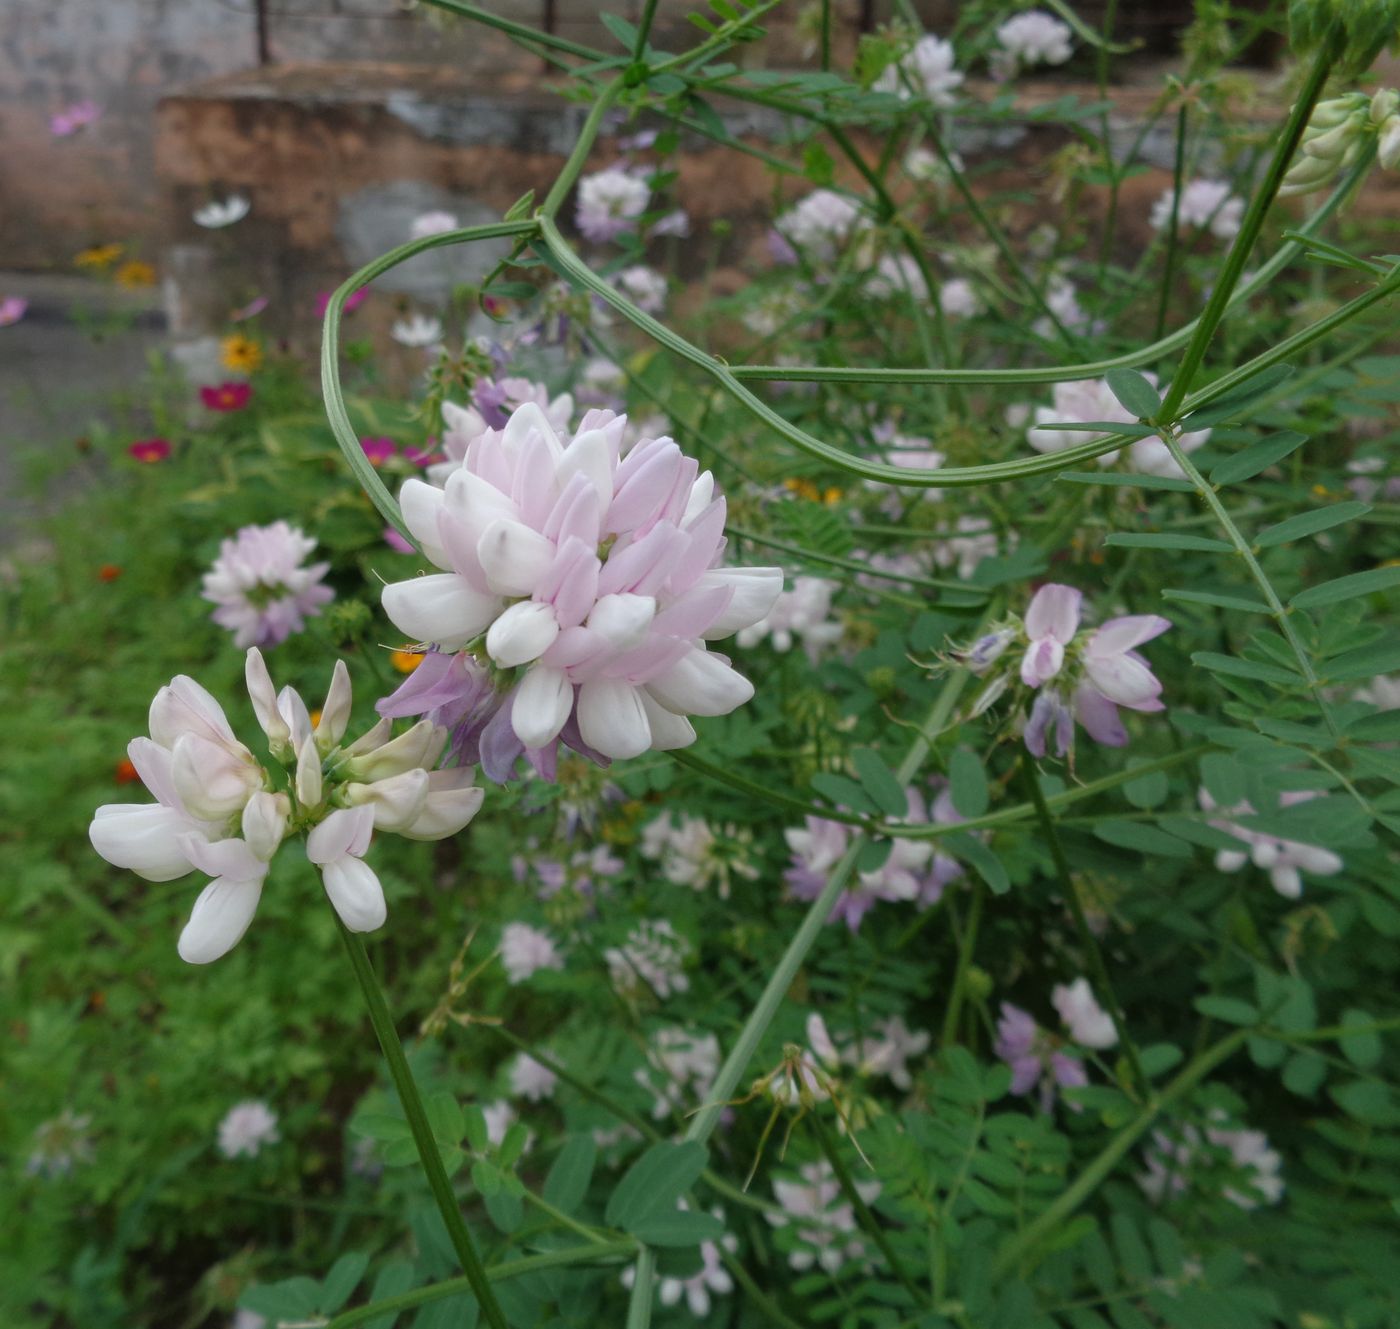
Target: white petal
x: 591, y: 454
x: 184, y: 707
x: 335, y: 711
x: 523, y: 633
x: 355, y: 892
x: 143, y: 838
x: 309, y: 784
x: 396, y: 802
x: 543, y: 700
x: 345, y: 832
x: 524, y: 421
x: 668, y: 731
x: 451, y: 803
x: 622, y: 620
x: 219, y: 919
x: 755, y: 592
x: 514, y: 557
x: 701, y: 683
x: 439, y: 608
x: 611, y: 718
x: 213, y: 782
x: 702, y: 492
x: 264, y: 699
x: 265, y: 823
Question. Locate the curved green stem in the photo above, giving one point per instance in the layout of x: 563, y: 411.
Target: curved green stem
x: 588, y: 134
x: 428, y: 1154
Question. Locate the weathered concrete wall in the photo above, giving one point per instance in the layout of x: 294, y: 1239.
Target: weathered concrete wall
x: 60, y: 195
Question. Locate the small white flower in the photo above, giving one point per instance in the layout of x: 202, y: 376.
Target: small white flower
x: 1088, y: 1023
x: 1203, y: 203
x: 644, y: 286
x: 1035, y: 38
x: 432, y: 223
x: 528, y: 1079
x: 609, y: 202
x: 246, y: 1128
x: 60, y: 1144
x: 526, y: 950
x: 926, y: 71
x: 652, y: 957
x: 417, y: 330
x: 215, y: 215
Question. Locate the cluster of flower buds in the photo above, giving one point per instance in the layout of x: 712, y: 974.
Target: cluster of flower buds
x: 1074, y: 676
x: 1336, y: 136
x: 579, y: 588
x: 219, y: 811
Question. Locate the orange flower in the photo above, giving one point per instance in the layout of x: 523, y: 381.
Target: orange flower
x: 135, y: 272
x: 108, y: 572
x: 126, y: 772
x: 241, y: 354
x: 405, y: 660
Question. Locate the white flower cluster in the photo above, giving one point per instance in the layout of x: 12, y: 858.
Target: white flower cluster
x: 1283, y: 860
x: 800, y: 614
x: 820, y: 224
x: 823, y: 1222
x: 653, y: 956
x: 220, y: 812
x: 1033, y: 38
x: 691, y: 854
x: 927, y: 71
x: 1203, y: 204
x: 1336, y: 134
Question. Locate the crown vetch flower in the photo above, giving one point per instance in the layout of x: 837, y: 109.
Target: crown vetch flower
x: 1034, y: 38
x: 1283, y: 860
x: 262, y: 586
x: 1034, y: 1058
x: 417, y: 330
x: 1204, y: 203
x: 246, y: 1127
x: 927, y: 71
x: 433, y: 223
x: 578, y: 592
x: 1088, y: 1023
x: 65, y: 123
x: 609, y: 202
x: 217, y: 809
x: 12, y: 309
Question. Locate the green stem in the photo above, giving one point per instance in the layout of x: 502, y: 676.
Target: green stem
x: 520, y: 31
x: 864, y: 1217
x: 1052, y: 1218
x: 703, y: 1123
x: 1253, y: 223
x: 965, y: 953
x: 1146, y: 355
x: 587, y: 135
x: 428, y: 1154
x: 1087, y: 940
x: 452, y: 1287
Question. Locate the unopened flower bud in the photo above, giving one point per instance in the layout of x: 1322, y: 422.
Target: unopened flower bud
x: 1388, y: 143
x: 264, y: 698
x: 265, y: 823
x: 310, y: 787
x: 1384, y: 104
x: 396, y: 801
x: 335, y: 712
x: 420, y: 746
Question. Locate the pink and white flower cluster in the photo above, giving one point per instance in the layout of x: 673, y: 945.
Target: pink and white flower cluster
x: 820, y: 224
x: 1284, y: 860
x: 1173, y: 1163
x: 246, y: 1128
x: 1084, y: 677
x: 579, y: 589
x: 217, y: 811
x: 609, y: 202
x: 682, y: 1067
x: 914, y: 870
x: 928, y: 71
x: 1038, y: 1058
x: 262, y: 585
x: 1087, y: 400
x: 822, y: 1220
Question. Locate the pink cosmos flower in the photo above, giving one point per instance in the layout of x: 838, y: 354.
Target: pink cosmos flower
x: 227, y: 396
x: 72, y: 118
x: 12, y: 309
x: 149, y: 450
x: 262, y: 587
x: 378, y: 450
x: 578, y: 592
x: 352, y: 302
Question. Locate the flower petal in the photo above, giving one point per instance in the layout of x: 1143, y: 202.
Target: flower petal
x: 543, y: 700
x: 219, y: 919
x: 1054, y: 613
x: 523, y: 633
x: 439, y: 608
x: 611, y: 718
x: 355, y: 893
x: 701, y: 683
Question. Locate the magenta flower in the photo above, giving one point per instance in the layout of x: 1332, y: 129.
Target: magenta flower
x: 378, y: 450
x: 352, y: 302
x: 149, y: 450
x: 12, y: 309
x: 1051, y: 622
x: 226, y: 396
x: 71, y: 119
x: 583, y: 585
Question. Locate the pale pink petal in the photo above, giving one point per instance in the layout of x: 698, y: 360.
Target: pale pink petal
x: 1054, y: 613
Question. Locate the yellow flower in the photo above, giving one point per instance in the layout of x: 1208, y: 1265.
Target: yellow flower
x: 241, y: 354
x: 405, y: 661
x: 99, y: 257
x: 135, y: 272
